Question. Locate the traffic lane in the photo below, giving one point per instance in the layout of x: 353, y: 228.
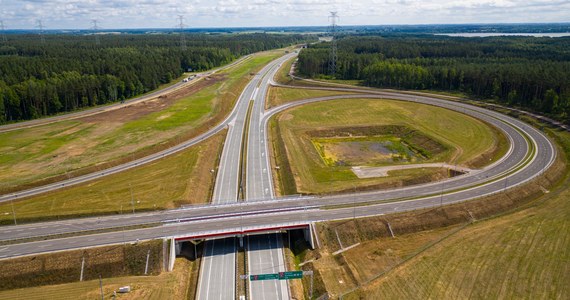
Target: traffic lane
x: 265, y: 256
x: 226, y: 186
x: 218, y: 268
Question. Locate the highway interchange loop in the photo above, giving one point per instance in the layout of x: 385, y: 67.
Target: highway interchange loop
x: 531, y: 153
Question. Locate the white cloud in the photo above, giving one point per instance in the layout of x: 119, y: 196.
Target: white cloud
x: 220, y: 13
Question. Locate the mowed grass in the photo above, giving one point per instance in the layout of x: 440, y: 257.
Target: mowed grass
x: 279, y: 96
x: 30, y: 155
x: 168, y: 285
x: 183, y: 178
x: 469, y: 139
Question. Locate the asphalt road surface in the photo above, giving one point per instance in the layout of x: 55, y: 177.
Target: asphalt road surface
x: 265, y: 253
x: 226, y: 190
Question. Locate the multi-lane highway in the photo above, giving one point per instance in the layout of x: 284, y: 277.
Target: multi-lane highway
x: 265, y: 253
x: 490, y: 180
x: 216, y: 271
x: 531, y: 153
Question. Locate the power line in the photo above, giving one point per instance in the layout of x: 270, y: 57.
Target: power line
x: 181, y: 26
x: 2, y: 29
x: 95, y: 28
x: 40, y: 26
x: 333, y: 17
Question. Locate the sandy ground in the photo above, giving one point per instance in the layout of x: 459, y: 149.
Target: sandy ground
x: 371, y: 172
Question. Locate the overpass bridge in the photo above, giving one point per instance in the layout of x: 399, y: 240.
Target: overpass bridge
x: 240, y: 232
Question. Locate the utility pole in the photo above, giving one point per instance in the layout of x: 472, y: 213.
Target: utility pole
x: 2, y: 28
x: 101, y: 287
x: 441, y: 197
x: 132, y: 199
x: 40, y: 26
x: 13, y: 211
x: 95, y: 28
x: 182, y: 36
x: 332, y: 55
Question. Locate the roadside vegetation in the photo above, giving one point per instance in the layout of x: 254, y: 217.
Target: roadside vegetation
x: 181, y: 179
x: 168, y: 285
x: 431, y: 133
x: 63, y: 267
x: 526, y: 72
x: 278, y: 96
x: 44, y: 154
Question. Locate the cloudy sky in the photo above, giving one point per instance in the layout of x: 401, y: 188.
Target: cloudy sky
x: 76, y: 14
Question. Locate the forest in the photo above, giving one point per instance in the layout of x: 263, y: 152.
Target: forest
x: 527, y: 72
x: 57, y: 73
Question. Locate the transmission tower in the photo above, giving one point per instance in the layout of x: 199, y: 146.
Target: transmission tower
x: 95, y: 28
x: 182, y: 36
x: 3, y: 33
x: 333, y: 17
x: 40, y: 26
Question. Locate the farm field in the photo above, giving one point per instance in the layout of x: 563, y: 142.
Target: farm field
x: 189, y: 181
x: 435, y: 135
x: 52, y: 152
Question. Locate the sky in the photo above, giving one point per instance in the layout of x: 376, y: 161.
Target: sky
x: 77, y: 14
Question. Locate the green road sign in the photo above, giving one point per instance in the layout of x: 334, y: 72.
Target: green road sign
x: 290, y: 275
x: 264, y: 277
x: 280, y: 276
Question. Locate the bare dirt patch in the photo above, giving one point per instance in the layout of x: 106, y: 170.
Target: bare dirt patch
x: 141, y: 109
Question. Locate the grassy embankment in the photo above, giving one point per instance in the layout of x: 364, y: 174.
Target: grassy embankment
x: 64, y: 267
x: 168, y: 285
x: 52, y: 152
x: 470, y: 142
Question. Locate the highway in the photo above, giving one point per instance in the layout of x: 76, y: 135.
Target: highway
x: 265, y: 253
x: 216, y: 271
x: 494, y: 175
x: 531, y: 153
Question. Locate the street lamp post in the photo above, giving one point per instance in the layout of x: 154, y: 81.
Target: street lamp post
x: 13, y: 210
x: 441, y: 197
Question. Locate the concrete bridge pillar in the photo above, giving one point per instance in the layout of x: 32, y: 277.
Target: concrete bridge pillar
x: 310, y: 235
x: 172, y: 254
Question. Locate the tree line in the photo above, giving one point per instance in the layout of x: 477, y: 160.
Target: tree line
x: 70, y: 72
x: 532, y: 73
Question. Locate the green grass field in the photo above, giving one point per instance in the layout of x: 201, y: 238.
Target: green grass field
x: 278, y: 95
x: 28, y: 156
x: 467, y: 138
x: 183, y: 178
